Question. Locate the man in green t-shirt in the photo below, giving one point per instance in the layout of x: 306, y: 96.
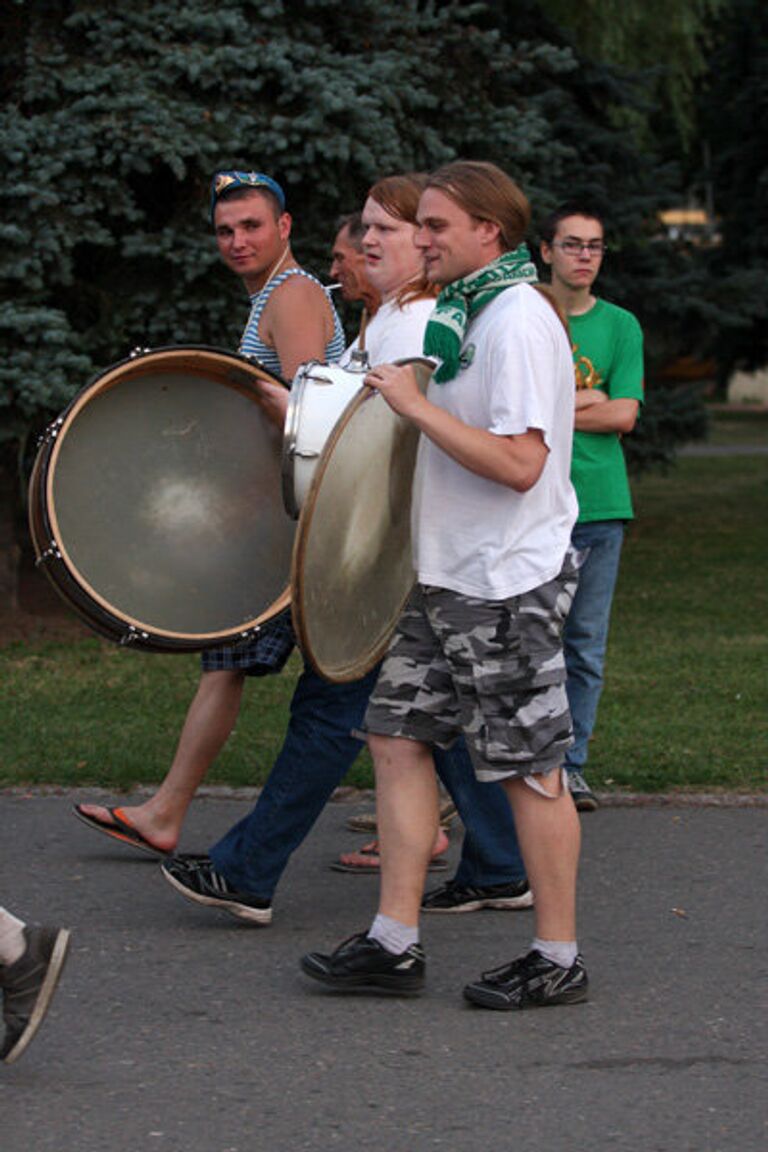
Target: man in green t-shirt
x: 608, y: 357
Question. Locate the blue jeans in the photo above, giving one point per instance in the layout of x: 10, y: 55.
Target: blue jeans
x: 317, y: 752
x: 585, y: 636
x: 489, y: 853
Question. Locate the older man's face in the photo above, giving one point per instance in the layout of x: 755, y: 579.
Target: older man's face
x: 348, y: 266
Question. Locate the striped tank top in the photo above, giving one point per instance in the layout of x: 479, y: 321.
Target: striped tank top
x: 251, y: 343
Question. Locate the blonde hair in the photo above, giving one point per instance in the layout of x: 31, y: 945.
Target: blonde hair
x: 486, y: 193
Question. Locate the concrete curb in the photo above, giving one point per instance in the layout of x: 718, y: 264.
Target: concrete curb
x: 350, y: 795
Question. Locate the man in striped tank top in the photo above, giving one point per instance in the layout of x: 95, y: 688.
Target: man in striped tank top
x: 292, y: 321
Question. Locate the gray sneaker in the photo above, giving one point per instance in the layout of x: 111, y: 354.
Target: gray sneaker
x: 28, y: 986
x: 583, y: 796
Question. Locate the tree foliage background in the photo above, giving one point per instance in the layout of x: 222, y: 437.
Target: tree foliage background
x: 114, y: 116
x: 732, y: 108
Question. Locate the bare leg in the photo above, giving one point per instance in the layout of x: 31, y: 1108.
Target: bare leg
x: 209, y: 722
x: 407, y: 812
x: 550, y: 839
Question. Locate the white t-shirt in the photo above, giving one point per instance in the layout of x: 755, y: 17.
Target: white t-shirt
x: 473, y: 535
x: 395, y: 333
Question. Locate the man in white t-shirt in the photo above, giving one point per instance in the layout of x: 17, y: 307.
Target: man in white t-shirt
x: 490, y: 873
x: 478, y: 649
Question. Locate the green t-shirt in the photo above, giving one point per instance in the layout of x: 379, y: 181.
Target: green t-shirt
x: 608, y: 352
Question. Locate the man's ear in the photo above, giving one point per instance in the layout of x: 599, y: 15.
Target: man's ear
x: 490, y: 232
x: 546, y: 252
x: 284, y: 225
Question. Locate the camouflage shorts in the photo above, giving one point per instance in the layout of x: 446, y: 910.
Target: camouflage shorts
x: 493, y: 670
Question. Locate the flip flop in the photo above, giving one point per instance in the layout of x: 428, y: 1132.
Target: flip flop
x: 120, y: 828
x: 366, y: 821
x: 362, y: 822
x: 366, y: 860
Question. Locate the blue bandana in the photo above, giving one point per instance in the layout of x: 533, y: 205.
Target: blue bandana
x: 223, y: 181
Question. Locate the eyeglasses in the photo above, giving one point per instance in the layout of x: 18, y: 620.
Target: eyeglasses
x: 576, y: 247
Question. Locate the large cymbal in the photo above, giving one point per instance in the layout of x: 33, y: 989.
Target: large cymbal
x: 352, y: 569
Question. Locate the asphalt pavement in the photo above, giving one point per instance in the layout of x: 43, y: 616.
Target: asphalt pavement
x: 178, y: 1029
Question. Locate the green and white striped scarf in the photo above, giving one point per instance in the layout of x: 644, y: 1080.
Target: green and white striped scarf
x: 460, y: 302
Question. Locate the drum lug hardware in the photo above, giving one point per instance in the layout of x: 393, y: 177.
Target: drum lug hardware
x: 51, y: 553
x: 314, y: 370
x: 138, y: 351
x: 132, y: 635
x: 250, y: 633
x: 358, y: 360
x: 51, y: 432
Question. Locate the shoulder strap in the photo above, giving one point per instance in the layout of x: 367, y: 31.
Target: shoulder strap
x: 283, y: 276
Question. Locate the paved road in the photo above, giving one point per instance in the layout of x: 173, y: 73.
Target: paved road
x: 723, y: 450
x: 179, y: 1030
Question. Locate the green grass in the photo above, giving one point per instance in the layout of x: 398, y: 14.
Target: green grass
x: 89, y: 712
x: 685, y: 704
x: 686, y: 697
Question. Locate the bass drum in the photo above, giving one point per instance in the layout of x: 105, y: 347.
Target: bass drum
x: 352, y: 569
x: 155, y: 502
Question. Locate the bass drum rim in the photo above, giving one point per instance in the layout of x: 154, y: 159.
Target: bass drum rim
x: 99, y: 613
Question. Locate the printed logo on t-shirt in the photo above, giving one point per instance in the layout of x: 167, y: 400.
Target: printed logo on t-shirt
x: 587, y: 376
x: 467, y: 355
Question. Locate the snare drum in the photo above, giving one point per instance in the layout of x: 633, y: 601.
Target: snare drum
x: 155, y: 502
x: 319, y: 395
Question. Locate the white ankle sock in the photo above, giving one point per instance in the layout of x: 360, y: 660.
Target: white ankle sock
x: 562, y: 952
x: 12, y: 942
x: 393, y: 935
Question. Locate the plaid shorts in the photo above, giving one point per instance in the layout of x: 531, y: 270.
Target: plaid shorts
x: 492, y: 669
x: 266, y: 653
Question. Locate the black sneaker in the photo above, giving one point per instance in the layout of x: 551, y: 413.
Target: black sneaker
x: 583, y: 796
x: 453, y: 897
x: 188, y: 861
x: 196, y: 878
x: 530, y: 981
x: 28, y: 986
x: 361, y: 963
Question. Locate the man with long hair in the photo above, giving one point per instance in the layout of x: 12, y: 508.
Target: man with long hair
x: 478, y: 649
